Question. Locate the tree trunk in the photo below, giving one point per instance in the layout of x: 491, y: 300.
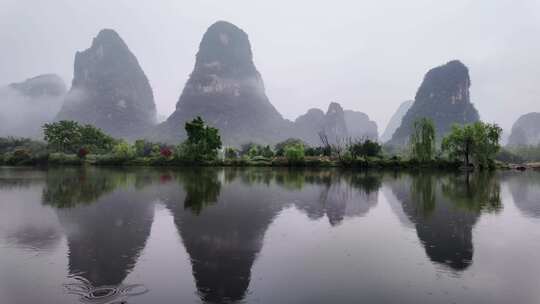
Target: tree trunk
x: 467, y: 155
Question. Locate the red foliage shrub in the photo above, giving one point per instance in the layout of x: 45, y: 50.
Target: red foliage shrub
x: 83, y: 152
x: 165, y: 152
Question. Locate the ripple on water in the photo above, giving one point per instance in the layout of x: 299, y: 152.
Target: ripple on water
x: 103, y: 294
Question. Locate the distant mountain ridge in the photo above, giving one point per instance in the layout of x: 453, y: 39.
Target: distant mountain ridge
x: 396, y: 119
x: 526, y: 130
x: 360, y: 126
x: 25, y: 106
x: 336, y: 124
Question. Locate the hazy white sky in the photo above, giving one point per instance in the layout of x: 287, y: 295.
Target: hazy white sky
x: 367, y: 55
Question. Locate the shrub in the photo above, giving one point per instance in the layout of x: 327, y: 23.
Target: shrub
x: 192, y: 152
x: 347, y: 157
x: 82, y: 153
x: 366, y: 148
x: 231, y: 153
x: 156, y: 149
x: 280, y: 147
x: 294, y: 153
x: 318, y: 151
x: 123, y: 150
x: 254, y: 151
x: 21, y: 156
x: 143, y: 148
x: 267, y: 152
x: 166, y: 152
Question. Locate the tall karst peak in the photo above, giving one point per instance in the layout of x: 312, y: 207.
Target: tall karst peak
x: 225, y: 49
x: 443, y: 97
x: 227, y: 91
x: 110, y: 89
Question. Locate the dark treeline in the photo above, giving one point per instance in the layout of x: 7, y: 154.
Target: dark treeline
x: 70, y: 143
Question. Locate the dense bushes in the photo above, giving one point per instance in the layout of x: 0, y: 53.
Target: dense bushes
x: 366, y: 148
x: 22, y: 151
x: 69, y: 136
x: 294, y: 153
x: 72, y: 144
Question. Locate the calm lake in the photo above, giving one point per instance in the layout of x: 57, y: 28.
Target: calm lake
x: 262, y: 235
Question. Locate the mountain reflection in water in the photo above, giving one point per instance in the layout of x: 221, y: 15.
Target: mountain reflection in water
x: 222, y: 217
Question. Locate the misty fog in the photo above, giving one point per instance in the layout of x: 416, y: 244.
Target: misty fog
x: 368, y: 56
x: 22, y: 115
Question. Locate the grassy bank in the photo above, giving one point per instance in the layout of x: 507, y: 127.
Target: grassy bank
x: 61, y: 159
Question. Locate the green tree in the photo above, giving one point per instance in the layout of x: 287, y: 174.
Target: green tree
x: 69, y: 136
x: 366, y: 148
x: 478, y: 142
x: 64, y: 136
x: 141, y: 148
x: 254, y: 151
x: 423, y: 139
x: 231, y: 153
x: 202, y: 143
x: 123, y: 150
x: 96, y: 140
x: 267, y: 152
x: 280, y: 147
x: 294, y: 153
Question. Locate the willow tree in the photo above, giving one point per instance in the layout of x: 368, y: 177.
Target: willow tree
x: 423, y: 139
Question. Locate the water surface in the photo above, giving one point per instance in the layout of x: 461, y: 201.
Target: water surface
x: 263, y: 235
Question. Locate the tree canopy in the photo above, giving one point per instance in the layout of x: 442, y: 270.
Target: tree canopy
x: 422, y: 140
x: 478, y: 142
x: 202, y: 143
x: 69, y: 136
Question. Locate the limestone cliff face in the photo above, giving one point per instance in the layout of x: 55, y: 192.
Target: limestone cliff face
x: 308, y: 126
x: 443, y: 97
x: 526, y: 130
x: 335, y: 126
x: 227, y: 91
x: 360, y: 126
x: 396, y: 119
x: 110, y: 89
x: 27, y: 105
x: 332, y: 123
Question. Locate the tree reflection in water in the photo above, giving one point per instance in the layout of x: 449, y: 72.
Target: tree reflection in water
x: 444, y: 209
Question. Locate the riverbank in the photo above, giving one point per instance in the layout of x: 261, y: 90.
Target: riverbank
x: 60, y: 159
